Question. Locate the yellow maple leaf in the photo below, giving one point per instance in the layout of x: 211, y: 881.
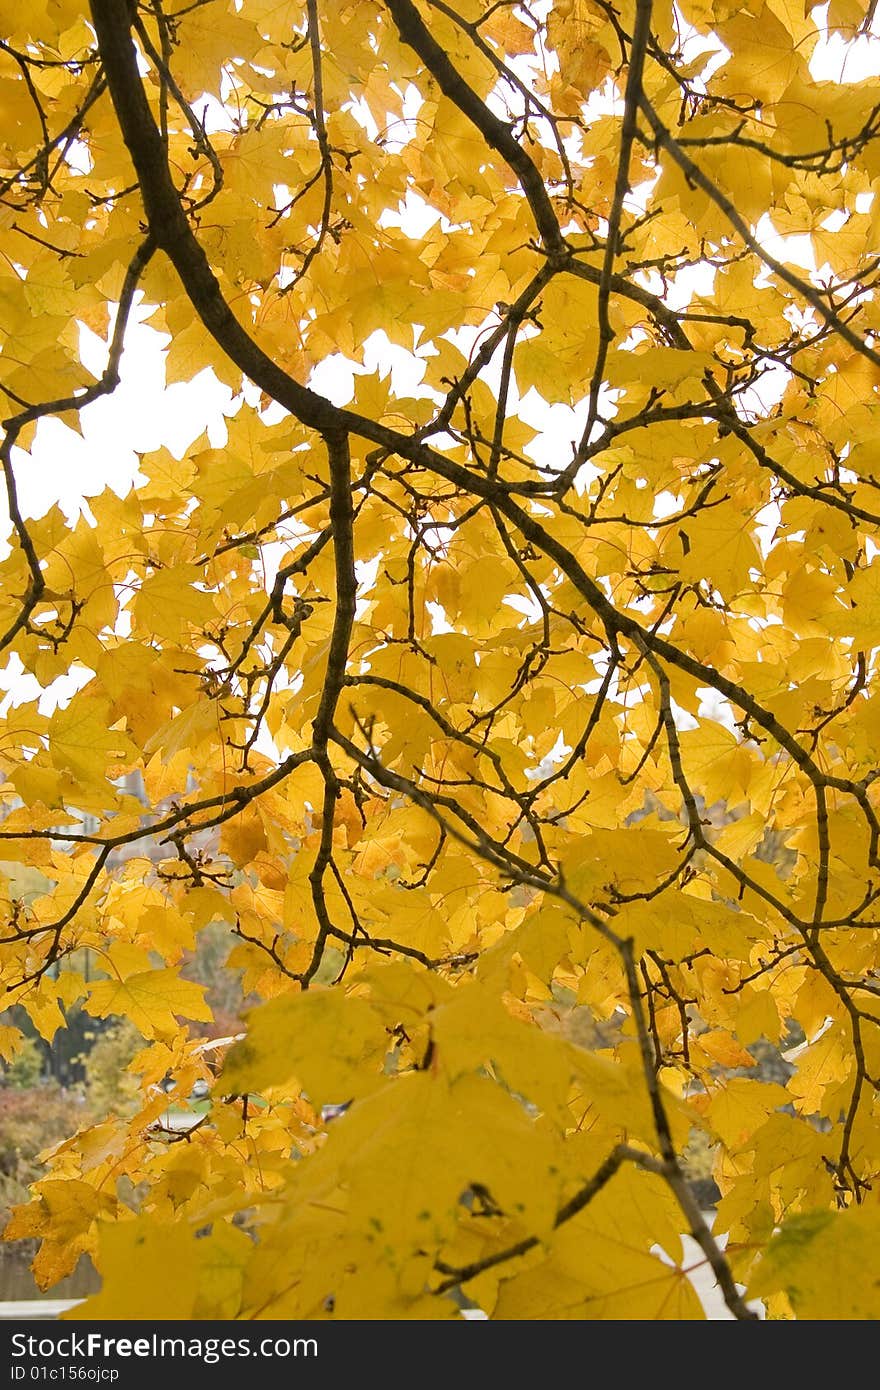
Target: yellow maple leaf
x: 330, y: 1045
x: 152, y: 999
x: 151, y: 1248
x: 412, y: 1150
x: 81, y: 742
x: 601, y: 1265
x: 167, y: 603
x: 826, y: 1263
x: 741, y: 1105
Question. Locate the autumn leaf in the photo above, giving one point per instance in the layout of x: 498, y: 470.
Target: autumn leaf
x: 330, y: 1045
x: 152, y: 1248
x: 826, y: 1264
x: 81, y: 742
x: 151, y: 999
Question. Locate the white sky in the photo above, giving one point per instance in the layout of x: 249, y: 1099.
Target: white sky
x: 141, y: 415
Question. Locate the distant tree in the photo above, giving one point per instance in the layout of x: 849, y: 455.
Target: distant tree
x: 25, y: 1068
x: 108, y: 1082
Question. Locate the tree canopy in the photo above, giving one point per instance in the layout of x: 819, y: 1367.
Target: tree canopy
x: 515, y: 706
